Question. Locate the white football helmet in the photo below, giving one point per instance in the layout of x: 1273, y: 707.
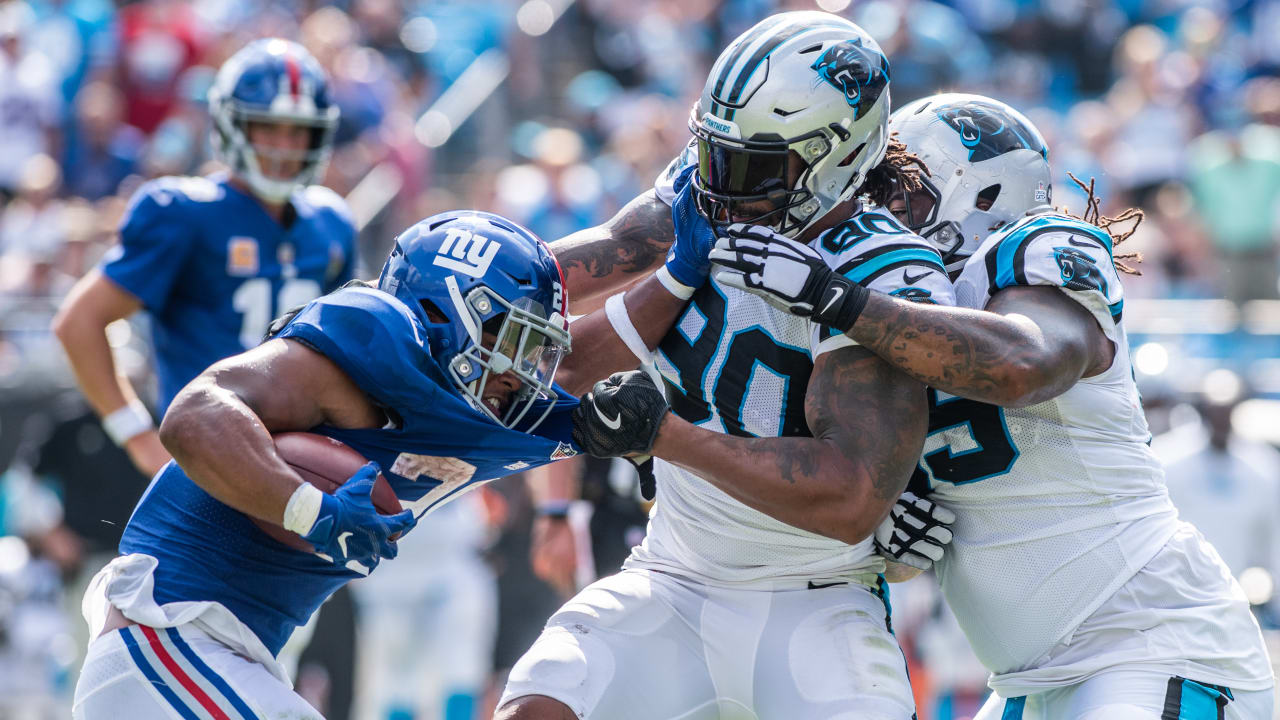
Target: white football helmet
x: 791, y: 119
x: 980, y: 152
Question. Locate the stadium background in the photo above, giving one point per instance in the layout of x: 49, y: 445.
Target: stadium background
x: 555, y: 113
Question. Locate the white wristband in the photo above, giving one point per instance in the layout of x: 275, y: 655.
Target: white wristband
x: 673, y: 286
x: 303, y: 509
x: 128, y: 422
x: 615, y: 309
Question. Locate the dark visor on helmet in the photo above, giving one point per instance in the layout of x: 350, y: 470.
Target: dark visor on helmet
x: 753, y: 184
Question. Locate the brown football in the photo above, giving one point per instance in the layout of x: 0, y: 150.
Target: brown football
x: 327, y: 464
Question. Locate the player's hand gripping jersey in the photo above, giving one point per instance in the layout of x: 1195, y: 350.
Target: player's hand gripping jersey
x: 1059, y: 503
x: 435, y: 446
x: 736, y: 364
x: 213, y: 268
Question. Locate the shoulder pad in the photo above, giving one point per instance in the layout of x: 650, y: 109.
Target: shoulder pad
x: 873, y: 249
x: 666, y: 183
x: 168, y: 190
x: 320, y: 197
x: 1050, y: 249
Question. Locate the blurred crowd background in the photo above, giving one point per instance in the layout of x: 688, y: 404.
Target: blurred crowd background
x: 556, y: 113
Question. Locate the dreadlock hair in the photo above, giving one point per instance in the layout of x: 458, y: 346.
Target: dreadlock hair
x: 899, y: 170
x: 1093, y: 215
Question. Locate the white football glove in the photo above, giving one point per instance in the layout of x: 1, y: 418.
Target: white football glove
x: 915, y: 532
x: 788, y: 274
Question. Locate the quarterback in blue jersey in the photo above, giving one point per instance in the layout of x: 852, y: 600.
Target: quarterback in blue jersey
x: 1069, y: 571
x: 213, y: 259
x: 441, y: 375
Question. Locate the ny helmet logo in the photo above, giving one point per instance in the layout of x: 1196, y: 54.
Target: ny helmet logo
x: 467, y: 252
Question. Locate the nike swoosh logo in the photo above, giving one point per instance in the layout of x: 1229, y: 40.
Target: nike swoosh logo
x: 815, y: 586
x: 611, y: 423
x: 839, y: 293
x: 342, y: 542
x: 1072, y: 241
x: 906, y: 277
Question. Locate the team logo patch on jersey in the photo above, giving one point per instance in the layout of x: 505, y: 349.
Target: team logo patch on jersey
x: 859, y: 72
x: 242, y: 257
x: 448, y: 470
x: 562, y: 451
x: 1079, y: 270
x: 988, y: 131
x: 914, y: 294
x: 467, y: 252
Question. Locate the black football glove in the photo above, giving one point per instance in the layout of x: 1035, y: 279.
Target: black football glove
x: 788, y: 274
x: 620, y: 416
x: 278, y: 324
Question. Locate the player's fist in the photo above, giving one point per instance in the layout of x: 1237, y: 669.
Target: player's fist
x: 350, y: 531
x: 620, y: 416
x: 915, y: 532
x: 788, y: 274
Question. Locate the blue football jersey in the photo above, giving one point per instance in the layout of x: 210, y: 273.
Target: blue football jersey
x: 213, y: 268
x: 435, y: 446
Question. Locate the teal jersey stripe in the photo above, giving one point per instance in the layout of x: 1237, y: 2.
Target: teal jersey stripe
x: 861, y: 272
x: 1200, y: 702
x: 1013, y: 708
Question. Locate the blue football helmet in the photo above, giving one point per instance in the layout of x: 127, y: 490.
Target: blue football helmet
x: 496, y: 294
x: 272, y: 81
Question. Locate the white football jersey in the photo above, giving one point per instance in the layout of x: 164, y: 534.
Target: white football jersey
x: 1059, y: 503
x: 735, y: 364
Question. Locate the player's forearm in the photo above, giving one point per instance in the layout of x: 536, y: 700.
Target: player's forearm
x: 598, y: 351
x: 600, y: 261
x: 976, y: 354
x: 224, y: 448
x: 84, y: 338
x: 807, y: 483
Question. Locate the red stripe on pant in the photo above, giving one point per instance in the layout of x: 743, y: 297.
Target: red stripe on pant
x: 185, y: 680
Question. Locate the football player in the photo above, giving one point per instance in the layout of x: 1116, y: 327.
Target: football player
x: 442, y: 376
x: 1070, y: 573
x: 213, y: 259
x: 756, y: 592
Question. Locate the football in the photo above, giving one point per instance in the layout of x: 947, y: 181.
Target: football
x: 325, y: 463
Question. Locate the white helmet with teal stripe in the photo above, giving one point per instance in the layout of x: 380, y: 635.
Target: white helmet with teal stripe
x: 988, y: 166
x: 791, y: 119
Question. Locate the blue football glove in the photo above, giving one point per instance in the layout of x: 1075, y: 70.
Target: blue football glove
x: 687, y: 260
x: 349, y: 531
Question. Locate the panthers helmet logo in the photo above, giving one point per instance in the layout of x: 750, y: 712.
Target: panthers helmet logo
x: 862, y: 74
x: 1079, y: 271
x: 988, y: 131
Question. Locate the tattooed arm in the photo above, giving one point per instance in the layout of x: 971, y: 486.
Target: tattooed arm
x: 600, y: 261
x: 868, y: 423
x: 1030, y: 344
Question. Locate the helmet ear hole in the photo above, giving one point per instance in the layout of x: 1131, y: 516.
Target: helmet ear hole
x: 848, y: 159
x: 987, y: 197
x: 434, y: 314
